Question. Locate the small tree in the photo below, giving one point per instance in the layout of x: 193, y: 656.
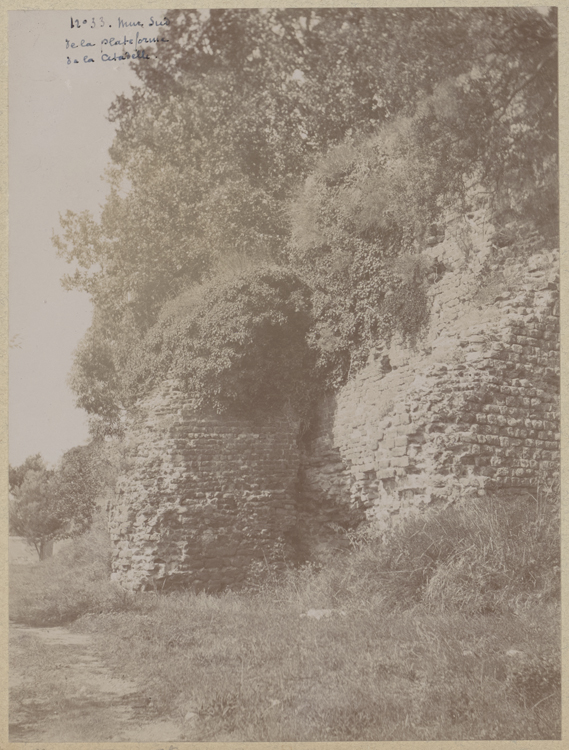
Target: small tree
x: 31, y: 513
x: 17, y: 474
x: 48, y: 505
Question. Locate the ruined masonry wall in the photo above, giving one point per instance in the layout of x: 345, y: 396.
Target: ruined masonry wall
x: 201, y: 496
x: 474, y: 409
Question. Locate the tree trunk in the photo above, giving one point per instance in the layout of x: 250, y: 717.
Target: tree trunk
x: 45, y: 549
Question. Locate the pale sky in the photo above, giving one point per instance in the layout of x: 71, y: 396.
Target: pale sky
x: 58, y: 149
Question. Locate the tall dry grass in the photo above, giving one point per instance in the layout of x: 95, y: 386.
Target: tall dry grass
x: 447, y: 629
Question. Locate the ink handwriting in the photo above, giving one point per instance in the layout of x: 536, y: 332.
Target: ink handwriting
x: 128, y: 46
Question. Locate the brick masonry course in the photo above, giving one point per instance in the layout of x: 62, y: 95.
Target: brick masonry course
x: 202, y: 496
x: 472, y: 408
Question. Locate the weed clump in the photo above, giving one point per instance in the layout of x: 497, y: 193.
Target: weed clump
x: 483, y: 556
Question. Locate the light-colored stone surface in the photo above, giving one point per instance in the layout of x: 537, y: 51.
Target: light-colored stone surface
x: 473, y: 409
x: 203, y: 496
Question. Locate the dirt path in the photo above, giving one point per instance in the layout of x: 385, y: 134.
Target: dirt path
x: 60, y: 691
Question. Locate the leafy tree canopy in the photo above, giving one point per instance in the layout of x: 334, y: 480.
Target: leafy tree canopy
x: 236, y: 112
x: 17, y: 474
x: 227, y: 119
x: 50, y: 504
x: 372, y: 203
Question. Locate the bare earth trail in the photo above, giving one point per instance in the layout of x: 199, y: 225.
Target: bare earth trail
x: 60, y: 691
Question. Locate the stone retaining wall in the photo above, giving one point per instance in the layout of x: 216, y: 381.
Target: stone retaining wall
x: 202, y: 496
x: 473, y: 409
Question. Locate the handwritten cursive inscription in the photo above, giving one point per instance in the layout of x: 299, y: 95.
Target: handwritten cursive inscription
x: 102, y: 47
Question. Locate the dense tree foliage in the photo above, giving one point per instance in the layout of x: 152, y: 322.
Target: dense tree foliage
x: 17, y: 474
x: 32, y: 513
x: 371, y: 204
x: 230, y: 115
x: 50, y: 504
x: 238, y: 343
x: 236, y: 112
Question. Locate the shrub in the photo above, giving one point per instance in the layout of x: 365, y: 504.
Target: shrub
x: 238, y: 344
x: 508, y: 555
x: 487, y: 555
x: 470, y: 144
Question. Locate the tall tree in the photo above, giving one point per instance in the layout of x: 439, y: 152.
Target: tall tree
x: 483, y: 139
x: 228, y: 118
x: 231, y: 116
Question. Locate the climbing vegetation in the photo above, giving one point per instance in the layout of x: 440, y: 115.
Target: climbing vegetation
x: 351, y: 134
x: 371, y: 205
x: 239, y: 344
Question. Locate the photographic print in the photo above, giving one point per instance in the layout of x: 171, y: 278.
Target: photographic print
x: 284, y: 375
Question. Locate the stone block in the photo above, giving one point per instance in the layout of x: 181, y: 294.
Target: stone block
x: 400, y: 461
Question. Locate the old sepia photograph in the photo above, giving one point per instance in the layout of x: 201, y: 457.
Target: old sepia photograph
x: 284, y: 441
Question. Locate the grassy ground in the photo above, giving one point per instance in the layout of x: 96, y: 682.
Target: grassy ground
x: 255, y: 670
x: 61, y: 589
x: 449, y: 629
